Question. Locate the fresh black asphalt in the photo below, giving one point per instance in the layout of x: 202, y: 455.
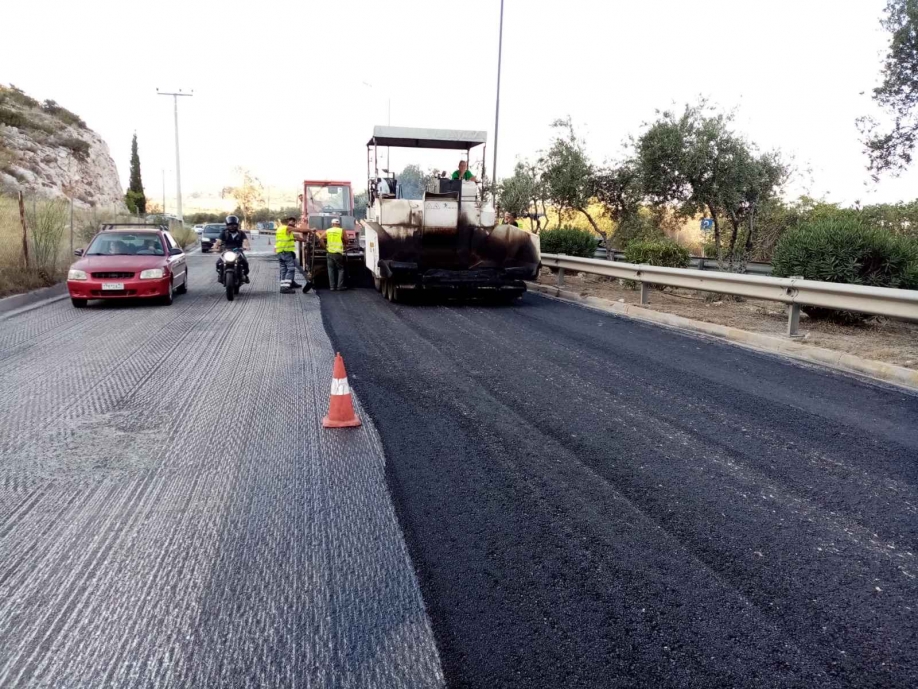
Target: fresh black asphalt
x: 594, y: 502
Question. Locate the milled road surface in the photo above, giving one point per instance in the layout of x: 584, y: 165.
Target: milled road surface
x: 172, y: 514
x: 594, y: 502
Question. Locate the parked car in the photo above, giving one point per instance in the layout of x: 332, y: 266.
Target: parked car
x: 210, y: 235
x: 198, y: 229
x: 129, y: 261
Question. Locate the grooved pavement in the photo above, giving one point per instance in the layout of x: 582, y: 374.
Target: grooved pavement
x: 591, y: 501
x: 161, y: 526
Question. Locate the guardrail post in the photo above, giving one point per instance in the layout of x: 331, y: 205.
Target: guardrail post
x: 793, y: 320
x: 560, y: 277
x: 645, y: 293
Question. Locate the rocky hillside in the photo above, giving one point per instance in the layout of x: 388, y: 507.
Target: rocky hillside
x: 46, y: 149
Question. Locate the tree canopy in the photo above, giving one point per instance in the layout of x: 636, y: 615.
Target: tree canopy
x: 248, y: 195
x: 890, y: 147
x: 695, y: 162
x: 568, y: 174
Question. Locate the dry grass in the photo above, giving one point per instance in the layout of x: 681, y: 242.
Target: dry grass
x: 185, y: 236
x: 880, y: 339
x: 48, y: 224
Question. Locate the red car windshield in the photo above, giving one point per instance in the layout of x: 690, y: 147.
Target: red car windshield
x: 125, y: 244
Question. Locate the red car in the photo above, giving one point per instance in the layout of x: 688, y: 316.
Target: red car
x: 129, y: 261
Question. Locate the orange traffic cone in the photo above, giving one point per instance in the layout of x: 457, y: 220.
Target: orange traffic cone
x: 341, y: 408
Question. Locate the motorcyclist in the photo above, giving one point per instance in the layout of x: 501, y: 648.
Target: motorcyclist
x: 234, y: 238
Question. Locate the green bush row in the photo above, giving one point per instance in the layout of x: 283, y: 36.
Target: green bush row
x: 846, y: 250
x: 657, y: 252
x: 569, y: 241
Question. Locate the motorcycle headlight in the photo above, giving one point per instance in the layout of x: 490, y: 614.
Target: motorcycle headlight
x: 152, y: 274
x: 229, y: 257
x: 76, y: 275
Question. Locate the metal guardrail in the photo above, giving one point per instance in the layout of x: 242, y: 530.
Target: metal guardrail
x: 695, y: 262
x: 880, y: 301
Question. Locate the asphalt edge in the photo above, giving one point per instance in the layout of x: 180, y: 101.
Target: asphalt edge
x: 828, y: 358
x: 20, y: 303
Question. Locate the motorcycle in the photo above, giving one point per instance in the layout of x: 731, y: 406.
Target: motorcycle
x: 230, y: 272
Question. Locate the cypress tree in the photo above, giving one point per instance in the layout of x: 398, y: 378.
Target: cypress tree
x: 135, y: 199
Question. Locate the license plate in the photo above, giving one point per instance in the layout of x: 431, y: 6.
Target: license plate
x: 114, y: 286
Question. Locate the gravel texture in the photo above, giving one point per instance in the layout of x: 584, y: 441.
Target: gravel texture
x: 172, y: 513
x: 591, y: 501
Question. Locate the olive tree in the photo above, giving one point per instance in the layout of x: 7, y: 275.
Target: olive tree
x: 568, y: 175
x: 694, y: 162
x: 620, y: 190
x: 523, y: 193
x: 247, y: 195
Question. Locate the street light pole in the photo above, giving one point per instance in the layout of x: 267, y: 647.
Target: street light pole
x: 500, y: 50
x: 178, y: 169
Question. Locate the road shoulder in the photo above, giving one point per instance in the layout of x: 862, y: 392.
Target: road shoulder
x: 841, y: 361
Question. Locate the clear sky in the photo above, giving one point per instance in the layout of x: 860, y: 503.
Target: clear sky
x: 291, y: 90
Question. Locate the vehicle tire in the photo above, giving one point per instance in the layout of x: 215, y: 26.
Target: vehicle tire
x: 184, y: 288
x: 229, y: 280
x: 377, y: 283
x: 79, y: 303
x: 167, y: 300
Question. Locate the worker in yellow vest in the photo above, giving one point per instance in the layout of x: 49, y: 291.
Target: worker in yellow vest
x: 285, y: 248
x: 334, y: 251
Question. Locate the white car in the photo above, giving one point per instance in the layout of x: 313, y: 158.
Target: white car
x: 198, y: 229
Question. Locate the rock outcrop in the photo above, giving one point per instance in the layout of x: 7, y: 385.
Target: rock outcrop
x: 46, y: 149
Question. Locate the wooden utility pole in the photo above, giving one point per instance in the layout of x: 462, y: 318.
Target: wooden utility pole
x: 25, y: 236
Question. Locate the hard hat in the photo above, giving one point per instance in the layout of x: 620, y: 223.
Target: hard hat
x: 335, y: 221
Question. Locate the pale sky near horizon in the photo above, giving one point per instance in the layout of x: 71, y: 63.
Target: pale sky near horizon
x: 281, y: 87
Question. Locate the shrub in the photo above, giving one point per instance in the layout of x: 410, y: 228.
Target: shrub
x: 46, y: 221
x: 11, y: 118
x: 185, y: 236
x: 75, y: 145
x: 641, y: 225
x: 17, y: 95
x: 847, y: 250
x: 14, y: 118
x: 657, y: 252
x: 63, y: 114
x: 570, y: 241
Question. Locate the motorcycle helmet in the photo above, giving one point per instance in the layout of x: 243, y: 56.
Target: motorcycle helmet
x: 232, y: 220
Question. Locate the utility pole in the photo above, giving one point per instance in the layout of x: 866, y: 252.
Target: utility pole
x: 178, y: 170
x: 500, y: 49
